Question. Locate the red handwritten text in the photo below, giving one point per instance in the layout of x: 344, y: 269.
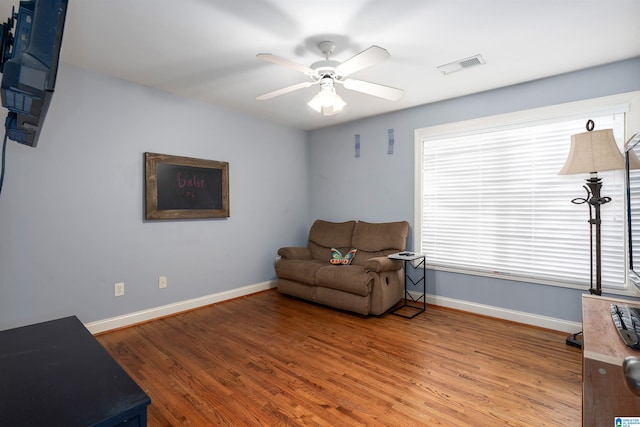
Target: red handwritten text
x: 190, y: 182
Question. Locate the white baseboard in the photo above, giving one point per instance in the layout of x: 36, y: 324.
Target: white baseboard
x: 506, y: 314
x: 178, y: 307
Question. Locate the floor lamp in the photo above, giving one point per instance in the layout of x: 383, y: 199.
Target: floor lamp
x: 592, y: 152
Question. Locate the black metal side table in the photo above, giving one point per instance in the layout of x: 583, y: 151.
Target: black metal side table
x: 410, y: 284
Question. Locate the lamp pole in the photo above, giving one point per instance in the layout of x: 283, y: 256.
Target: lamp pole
x: 593, y: 201
x: 593, y: 187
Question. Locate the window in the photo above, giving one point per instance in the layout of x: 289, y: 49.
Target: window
x: 491, y: 201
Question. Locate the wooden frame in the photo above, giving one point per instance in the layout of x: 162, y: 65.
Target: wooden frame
x: 185, y: 188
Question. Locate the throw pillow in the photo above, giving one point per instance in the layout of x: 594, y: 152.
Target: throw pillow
x: 338, y: 259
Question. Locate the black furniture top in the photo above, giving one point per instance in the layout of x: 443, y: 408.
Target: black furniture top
x: 57, y: 374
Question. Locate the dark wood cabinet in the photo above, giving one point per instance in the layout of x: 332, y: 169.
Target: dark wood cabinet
x: 57, y: 374
x: 604, y: 394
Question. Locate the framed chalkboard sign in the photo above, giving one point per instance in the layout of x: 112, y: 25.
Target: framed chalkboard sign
x: 185, y: 188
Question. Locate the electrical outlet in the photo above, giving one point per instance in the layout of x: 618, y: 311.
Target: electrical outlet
x: 162, y: 282
x: 119, y: 289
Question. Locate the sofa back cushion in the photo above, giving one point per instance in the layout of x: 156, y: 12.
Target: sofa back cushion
x: 325, y: 235
x: 379, y: 239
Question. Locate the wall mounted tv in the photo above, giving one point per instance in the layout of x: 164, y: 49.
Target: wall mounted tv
x: 29, y: 65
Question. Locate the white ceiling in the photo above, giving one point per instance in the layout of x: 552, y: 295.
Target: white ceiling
x: 206, y: 49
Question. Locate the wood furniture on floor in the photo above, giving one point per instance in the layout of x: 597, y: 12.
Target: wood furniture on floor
x: 605, y: 394
x: 57, y: 374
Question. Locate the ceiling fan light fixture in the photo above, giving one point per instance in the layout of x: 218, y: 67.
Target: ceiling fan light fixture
x: 327, y: 101
x: 338, y: 105
x: 328, y: 72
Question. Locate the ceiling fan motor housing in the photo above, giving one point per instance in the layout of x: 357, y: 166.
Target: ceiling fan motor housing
x: 326, y: 82
x: 326, y: 68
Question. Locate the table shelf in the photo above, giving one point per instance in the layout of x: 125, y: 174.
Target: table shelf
x: 410, y: 310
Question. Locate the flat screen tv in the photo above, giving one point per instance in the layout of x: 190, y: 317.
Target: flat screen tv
x: 632, y: 171
x: 29, y: 65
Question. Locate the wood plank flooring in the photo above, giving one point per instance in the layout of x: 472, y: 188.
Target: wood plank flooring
x: 271, y: 360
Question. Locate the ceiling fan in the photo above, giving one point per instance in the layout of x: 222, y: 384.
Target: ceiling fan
x: 328, y: 73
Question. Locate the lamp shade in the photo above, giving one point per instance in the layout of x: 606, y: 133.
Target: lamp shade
x: 593, y: 151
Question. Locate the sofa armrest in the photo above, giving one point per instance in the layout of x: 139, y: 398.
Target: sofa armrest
x: 295, y: 252
x: 382, y: 263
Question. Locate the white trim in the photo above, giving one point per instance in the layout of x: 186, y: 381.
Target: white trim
x: 506, y: 314
x: 629, y: 291
x: 629, y: 101
x: 553, y: 113
x: 418, y: 155
x: 174, y: 308
x: 137, y: 317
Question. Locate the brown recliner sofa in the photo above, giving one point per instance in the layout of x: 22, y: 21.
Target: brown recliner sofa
x: 370, y: 284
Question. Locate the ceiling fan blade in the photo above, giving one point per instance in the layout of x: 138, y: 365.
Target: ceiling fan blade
x: 282, y: 61
x: 381, y: 91
x: 284, y: 90
x: 364, y: 59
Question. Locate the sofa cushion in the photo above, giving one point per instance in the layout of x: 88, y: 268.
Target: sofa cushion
x: 378, y: 237
x: 300, y: 270
x: 347, y: 278
x: 325, y: 235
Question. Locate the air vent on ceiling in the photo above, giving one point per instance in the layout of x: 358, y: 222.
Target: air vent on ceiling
x: 452, y: 67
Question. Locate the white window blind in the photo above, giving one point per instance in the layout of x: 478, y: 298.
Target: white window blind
x: 493, y: 202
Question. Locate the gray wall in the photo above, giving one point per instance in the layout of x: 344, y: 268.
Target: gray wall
x: 71, y: 211
x: 378, y: 186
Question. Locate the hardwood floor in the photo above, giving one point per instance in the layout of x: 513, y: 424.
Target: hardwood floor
x: 270, y: 360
